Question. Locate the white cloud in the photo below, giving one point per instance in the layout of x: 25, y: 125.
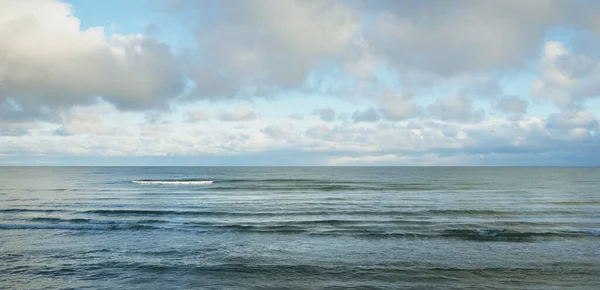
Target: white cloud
x: 362, y: 159
x: 195, y: 115
x: 98, y: 119
x: 240, y: 113
x: 455, y: 108
x: 567, y: 79
x: 397, y: 106
x: 579, y: 125
x: 46, y: 59
x: 392, y: 159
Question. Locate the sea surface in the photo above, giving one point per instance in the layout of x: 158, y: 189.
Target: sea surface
x: 299, y: 228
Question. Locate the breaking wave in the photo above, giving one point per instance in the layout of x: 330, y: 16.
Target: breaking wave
x: 173, y: 182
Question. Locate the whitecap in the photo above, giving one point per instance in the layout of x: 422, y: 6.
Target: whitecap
x: 173, y: 182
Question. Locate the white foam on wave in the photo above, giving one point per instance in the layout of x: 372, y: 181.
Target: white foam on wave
x: 174, y: 182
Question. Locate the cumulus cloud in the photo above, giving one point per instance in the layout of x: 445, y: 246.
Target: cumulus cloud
x: 567, y: 79
x: 326, y: 114
x: 47, y: 60
x: 98, y: 119
x: 100, y: 130
x: 455, y: 108
x: 368, y: 115
x: 195, y: 115
x: 240, y: 113
x: 397, y: 106
x: 449, y: 38
x: 253, y: 50
x: 16, y: 128
x: 278, y: 131
x: 513, y: 106
x: 573, y: 125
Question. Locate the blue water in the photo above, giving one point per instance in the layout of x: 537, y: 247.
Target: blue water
x: 299, y: 228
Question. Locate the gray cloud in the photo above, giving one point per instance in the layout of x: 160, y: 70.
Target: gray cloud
x: 296, y: 117
x: 195, y: 115
x: 455, y: 108
x: 397, y: 106
x: 256, y: 52
x: 513, y: 106
x: 15, y: 128
x: 278, y: 131
x: 368, y: 115
x: 326, y: 114
x: 452, y: 37
x: 579, y: 125
x: 240, y: 113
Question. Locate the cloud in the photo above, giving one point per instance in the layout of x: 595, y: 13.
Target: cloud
x: 343, y: 160
x: 513, y: 106
x: 15, y: 128
x: 397, y: 106
x: 580, y: 125
x: 95, y: 120
x: 326, y: 114
x: 47, y: 60
x: 102, y: 130
x: 278, y: 131
x: 240, y: 113
x: 195, y: 115
x: 455, y: 108
x: 450, y: 38
x: 422, y: 39
x: 253, y: 50
x: 368, y: 115
x: 393, y: 159
x: 567, y: 79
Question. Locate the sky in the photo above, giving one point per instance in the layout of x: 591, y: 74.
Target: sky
x: 292, y: 82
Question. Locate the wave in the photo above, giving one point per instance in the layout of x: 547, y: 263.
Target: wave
x: 173, y: 182
x: 54, y: 220
x: 514, y: 236
x: 77, y: 226
x: 276, y: 213
x: 319, y: 227
x: 340, y: 230
x: 18, y: 210
x: 293, y: 184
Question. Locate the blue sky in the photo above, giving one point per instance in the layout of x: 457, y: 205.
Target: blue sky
x: 265, y: 82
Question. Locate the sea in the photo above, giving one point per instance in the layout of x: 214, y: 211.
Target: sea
x: 299, y: 228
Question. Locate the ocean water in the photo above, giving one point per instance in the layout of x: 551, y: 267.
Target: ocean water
x: 299, y: 228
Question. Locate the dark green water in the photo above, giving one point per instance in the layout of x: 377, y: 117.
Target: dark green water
x: 300, y: 228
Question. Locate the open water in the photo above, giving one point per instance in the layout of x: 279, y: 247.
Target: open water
x: 299, y: 227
